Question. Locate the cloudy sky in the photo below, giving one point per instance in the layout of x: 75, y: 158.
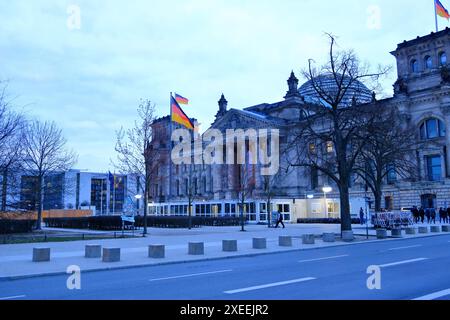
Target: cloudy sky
x: 89, y: 77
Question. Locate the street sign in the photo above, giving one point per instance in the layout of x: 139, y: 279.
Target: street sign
x: 128, y: 219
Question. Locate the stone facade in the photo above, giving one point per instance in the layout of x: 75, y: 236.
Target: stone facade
x: 422, y: 94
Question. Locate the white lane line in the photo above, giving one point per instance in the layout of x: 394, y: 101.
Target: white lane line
x: 326, y: 258
x: 269, y: 285
x: 402, y: 262
x: 191, y: 275
x: 433, y: 296
x: 402, y: 248
x: 13, y: 297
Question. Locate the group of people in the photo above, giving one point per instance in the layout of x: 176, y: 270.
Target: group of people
x: 419, y: 215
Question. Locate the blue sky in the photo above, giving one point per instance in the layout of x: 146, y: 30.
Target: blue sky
x: 90, y: 80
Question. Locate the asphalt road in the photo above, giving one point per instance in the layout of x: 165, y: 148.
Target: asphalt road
x: 410, y: 269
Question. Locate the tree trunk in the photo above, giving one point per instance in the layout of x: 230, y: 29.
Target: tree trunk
x: 346, y: 219
x: 377, y: 195
x: 190, y: 214
x: 40, y: 203
x: 242, y: 214
x: 145, y: 211
x: 4, y: 189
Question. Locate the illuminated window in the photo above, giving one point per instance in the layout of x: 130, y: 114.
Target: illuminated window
x: 330, y: 148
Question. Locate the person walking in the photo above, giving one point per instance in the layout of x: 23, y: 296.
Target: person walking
x: 428, y: 214
x: 448, y: 215
x: 442, y: 215
x: 361, y: 216
x: 415, y: 213
x: 280, y: 220
x: 422, y: 214
x: 433, y: 215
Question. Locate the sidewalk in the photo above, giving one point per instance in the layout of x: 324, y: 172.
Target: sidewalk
x: 15, y: 259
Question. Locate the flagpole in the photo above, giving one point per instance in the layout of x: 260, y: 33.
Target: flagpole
x: 114, y: 193
x: 435, y: 16
x: 170, y: 149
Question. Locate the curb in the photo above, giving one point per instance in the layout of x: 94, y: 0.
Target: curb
x: 248, y: 255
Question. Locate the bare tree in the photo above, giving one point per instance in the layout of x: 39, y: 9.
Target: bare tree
x: 45, y: 155
x: 12, y: 126
x: 244, y: 186
x: 331, y: 134
x: 269, y: 184
x: 389, y: 149
x: 135, y: 152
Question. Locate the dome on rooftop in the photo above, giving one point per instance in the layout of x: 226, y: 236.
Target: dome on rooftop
x: 357, y: 90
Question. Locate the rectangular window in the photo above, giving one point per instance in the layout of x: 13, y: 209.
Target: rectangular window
x: 434, y: 167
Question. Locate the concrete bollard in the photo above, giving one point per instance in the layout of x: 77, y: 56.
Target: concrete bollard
x: 348, y: 236
x: 285, y: 241
x: 41, y: 254
x: 410, y: 231
x: 329, y: 237
x: 157, y: 251
x: 423, y: 230
x: 111, y: 254
x: 381, y: 233
x: 93, y: 251
x: 196, y: 248
x: 308, y: 239
x: 436, y: 229
x: 397, y: 233
x: 446, y: 228
x: 229, y: 246
x: 259, y: 243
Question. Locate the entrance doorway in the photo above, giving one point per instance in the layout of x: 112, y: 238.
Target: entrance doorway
x: 428, y: 201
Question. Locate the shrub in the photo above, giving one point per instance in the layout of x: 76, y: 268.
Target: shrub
x: 183, y: 222
x: 16, y: 226
x: 68, y: 223
x: 115, y: 222
x: 324, y: 221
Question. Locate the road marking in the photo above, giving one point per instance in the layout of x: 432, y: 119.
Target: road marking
x: 435, y: 295
x: 326, y: 258
x: 13, y: 297
x: 401, y: 262
x: 401, y: 248
x: 269, y: 285
x: 191, y: 275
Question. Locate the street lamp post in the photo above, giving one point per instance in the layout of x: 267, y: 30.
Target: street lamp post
x: 325, y: 191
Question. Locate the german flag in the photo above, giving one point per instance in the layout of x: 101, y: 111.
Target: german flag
x: 179, y: 116
x: 441, y: 11
x: 181, y: 100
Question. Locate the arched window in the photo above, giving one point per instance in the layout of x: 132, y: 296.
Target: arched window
x: 414, y: 66
x: 432, y: 128
x: 443, y: 58
x: 428, y: 62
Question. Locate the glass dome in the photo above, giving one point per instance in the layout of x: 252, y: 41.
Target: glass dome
x: 357, y: 90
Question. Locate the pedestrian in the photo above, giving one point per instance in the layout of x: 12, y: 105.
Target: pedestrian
x: 415, y: 213
x: 361, y: 216
x: 280, y: 220
x: 442, y: 215
x: 448, y: 215
x: 433, y: 215
x: 422, y: 214
x: 428, y: 214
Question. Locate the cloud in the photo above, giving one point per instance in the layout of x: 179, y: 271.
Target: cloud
x: 91, y: 80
